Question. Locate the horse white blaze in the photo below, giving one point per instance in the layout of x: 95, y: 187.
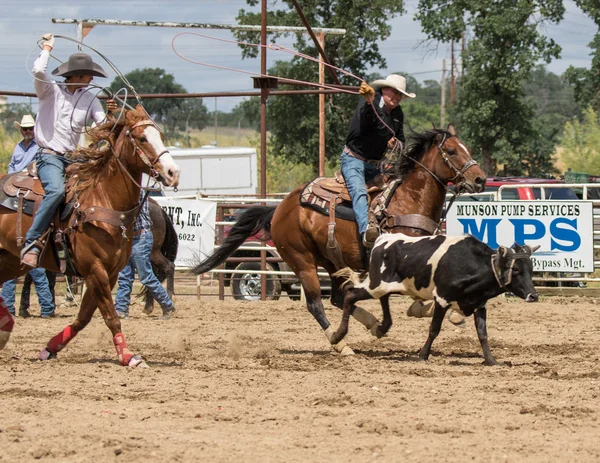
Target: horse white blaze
x: 465, y: 148
x: 166, y: 166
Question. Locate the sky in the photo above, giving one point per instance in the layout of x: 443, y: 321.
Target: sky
x: 23, y: 22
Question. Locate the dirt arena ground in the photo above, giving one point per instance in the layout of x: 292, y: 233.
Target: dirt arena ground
x: 257, y: 382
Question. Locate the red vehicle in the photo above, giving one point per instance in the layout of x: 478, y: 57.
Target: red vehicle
x: 528, y: 193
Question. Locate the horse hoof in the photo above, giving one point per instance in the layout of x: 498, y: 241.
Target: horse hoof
x: 347, y: 351
x: 375, y: 330
x: 45, y: 354
x: 4, y: 337
x: 456, y: 318
x: 137, y: 361
x: 6, y: 326
x: 419, y: 309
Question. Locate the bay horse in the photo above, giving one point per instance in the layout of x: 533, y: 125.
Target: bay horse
x: 100, y: 228
x: 433, y: 160
x: 164, y: 251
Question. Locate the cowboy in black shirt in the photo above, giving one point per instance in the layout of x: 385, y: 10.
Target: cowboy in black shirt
x: 376, y: 126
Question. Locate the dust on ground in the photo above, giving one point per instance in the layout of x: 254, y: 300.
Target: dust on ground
x: 257, y: 382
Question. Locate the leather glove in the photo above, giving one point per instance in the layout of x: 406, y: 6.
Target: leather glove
x: 48, y: 39
x: 367, y: 91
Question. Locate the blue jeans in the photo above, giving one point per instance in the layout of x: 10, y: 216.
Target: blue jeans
x: 38, y: 275
x: 51, y: 171
x: 356, y: 174
x: 140, y: 260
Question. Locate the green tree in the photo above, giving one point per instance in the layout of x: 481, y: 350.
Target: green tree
x: 587, y: 81
x: 293, y: 120
x: 173, y: 113
x: 581, y: 143
x: 493, y: 116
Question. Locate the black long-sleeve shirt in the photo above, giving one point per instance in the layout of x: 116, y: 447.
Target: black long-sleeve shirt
x: 367, y: 136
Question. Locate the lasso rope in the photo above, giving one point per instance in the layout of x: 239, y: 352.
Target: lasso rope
x: 277, y: 47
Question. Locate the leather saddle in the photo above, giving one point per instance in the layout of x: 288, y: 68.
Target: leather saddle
x: 25, y: 186
x: 328, y: 187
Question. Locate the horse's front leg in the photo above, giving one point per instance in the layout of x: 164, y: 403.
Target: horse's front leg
x: 99, y: 284
x: 58, y: 342
x: 353, y: 295
x: 366, y: 318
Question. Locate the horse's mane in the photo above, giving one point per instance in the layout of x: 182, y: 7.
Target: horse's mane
x: 416, y: 146
x: 96, y: 158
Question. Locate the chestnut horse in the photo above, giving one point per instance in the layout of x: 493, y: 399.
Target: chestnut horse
x: 107, y: 191
x: 433, y: 160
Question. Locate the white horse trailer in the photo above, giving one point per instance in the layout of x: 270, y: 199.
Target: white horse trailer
x: 214, y: 170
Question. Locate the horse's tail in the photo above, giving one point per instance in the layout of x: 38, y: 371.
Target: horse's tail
x: 351, y: 277
x: 168, y: 249
x: 249, y: 223
x: 171, y: 242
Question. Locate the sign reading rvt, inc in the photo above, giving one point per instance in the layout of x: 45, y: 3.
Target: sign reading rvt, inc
x: 562, y: 229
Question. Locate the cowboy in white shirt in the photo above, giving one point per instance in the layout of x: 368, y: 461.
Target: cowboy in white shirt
x: 63, y: 112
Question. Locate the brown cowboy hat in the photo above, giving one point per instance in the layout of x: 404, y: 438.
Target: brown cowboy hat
x: 79, y: 64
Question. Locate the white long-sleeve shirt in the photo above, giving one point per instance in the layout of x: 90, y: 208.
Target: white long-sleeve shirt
x: 62, y: 115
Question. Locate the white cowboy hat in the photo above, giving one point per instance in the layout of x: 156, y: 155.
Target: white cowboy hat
x: 26, y: 121
x: 394, y: 81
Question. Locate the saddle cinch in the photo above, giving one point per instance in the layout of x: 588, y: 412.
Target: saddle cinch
x: 22, y: 192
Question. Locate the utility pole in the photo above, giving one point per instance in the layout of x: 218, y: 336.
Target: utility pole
x: 452, y: 66
x: 462, y: 54
x: 443, y: 102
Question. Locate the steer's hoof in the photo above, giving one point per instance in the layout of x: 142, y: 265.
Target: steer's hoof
x: 45, y: 354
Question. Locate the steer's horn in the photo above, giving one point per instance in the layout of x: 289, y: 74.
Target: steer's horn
x: 530, y: 250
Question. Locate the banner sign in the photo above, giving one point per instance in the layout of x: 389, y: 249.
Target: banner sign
x: 194, y: 222
x: 562, y: 229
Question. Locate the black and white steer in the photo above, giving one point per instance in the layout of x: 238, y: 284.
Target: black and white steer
x: 457, y: 272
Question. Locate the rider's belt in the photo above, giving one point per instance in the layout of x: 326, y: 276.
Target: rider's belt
x: 139, y: 232
x: 349, y: 152
x: 49, y: 151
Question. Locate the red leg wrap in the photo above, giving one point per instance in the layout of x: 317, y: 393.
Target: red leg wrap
x: 6, y: 324
x: 58, y: 342
x: 123, y: 353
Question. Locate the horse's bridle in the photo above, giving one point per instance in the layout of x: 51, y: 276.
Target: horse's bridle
x: 458, y: 172
x: 153, y: 172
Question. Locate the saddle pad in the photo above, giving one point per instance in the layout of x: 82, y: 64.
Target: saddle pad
x: 343, y: 211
